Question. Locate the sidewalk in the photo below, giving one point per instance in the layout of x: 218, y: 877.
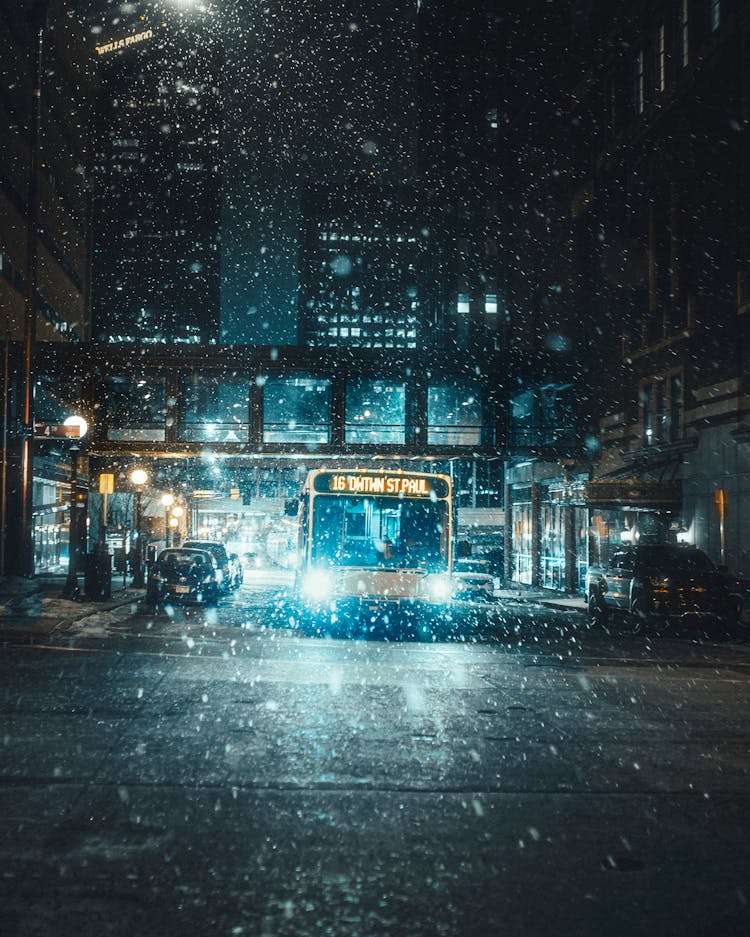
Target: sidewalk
x: 36, y: 607
x: 518, y: 592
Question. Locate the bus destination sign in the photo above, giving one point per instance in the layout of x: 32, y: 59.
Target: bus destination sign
x: 394, y: 486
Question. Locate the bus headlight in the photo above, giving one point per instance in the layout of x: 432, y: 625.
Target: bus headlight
x: 439, y: 588
x: 318, y: 585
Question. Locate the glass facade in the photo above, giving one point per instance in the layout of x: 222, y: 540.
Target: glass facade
x: 297, y: 409
x: 553, y: 546
x: 454, y: 415
x: 213, y: 408
x: 521, y: 514
x: 375, y: 412
x: 135, y: 407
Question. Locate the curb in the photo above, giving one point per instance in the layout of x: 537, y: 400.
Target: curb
x: 46, y: 627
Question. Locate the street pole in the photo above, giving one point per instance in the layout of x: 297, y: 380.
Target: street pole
x: 138, y: 580
x: 29, y: 331
x: 70, y: 589
x: 4, y: 479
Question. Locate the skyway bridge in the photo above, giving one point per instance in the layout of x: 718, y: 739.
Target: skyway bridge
x: 257, y: 403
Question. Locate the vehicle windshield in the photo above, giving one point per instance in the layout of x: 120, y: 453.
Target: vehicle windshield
x: 215, y: 549
x: 388, y: 532
x: 668, y: 557
x: 182, y: 559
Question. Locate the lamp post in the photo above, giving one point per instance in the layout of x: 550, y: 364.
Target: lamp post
x: 139, y: 478
x: 70, y: 589
x: 167, y: 500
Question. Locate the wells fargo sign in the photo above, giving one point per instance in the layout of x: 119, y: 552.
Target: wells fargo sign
x: 132, y: 40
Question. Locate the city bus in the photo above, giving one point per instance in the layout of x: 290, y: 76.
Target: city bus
x: 374, y: 546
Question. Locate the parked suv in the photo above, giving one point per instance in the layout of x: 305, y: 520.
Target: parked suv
x: 663, y: 583
x: 219, y: 553
x: 183, y: 574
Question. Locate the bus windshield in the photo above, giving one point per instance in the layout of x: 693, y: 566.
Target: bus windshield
x: 388, y: 532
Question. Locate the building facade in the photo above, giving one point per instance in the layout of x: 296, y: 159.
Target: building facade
x: 46, y: 96
x: 658, y: 240
x: 158, y: 175
x: 367, y: 270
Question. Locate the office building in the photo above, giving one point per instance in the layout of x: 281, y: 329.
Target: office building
x: 367, y: 274
x: 158, y: 178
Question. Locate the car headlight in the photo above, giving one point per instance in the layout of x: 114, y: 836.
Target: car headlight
x: 318, y: 585
x: 439, y: 588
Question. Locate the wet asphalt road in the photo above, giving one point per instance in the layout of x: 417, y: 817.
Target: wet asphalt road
x: 216, y: 772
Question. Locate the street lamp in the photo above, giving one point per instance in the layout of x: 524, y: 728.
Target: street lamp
x: 138, y: 477
x: 78, y: 429
x: 167, y: 500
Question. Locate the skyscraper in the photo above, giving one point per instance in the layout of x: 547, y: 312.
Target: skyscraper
x: 366, y: 268
x: 314, y: 94
x: 158, y: 178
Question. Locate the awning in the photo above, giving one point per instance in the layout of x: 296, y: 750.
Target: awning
x: 634, y: 493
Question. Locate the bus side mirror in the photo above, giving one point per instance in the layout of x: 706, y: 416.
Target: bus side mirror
x: 291, y: 507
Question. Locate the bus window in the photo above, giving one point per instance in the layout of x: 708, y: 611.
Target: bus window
x: 384, y: 532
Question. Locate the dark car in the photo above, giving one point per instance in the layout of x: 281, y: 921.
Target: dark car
x: 183, y: 574
x: 472, y: 580
x: 219, y: 553
x: 663, y: 583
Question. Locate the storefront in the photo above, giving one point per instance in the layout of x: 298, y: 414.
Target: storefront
x: 631, y: 511
x: 560, y: 526
x: 522, y: 537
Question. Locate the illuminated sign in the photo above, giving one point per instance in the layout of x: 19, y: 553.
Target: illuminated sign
x: 395, y: 486
x: 57, y: 431
x: 131, y: 40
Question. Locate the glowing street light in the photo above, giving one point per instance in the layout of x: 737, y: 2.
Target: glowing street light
x: 70, y: 589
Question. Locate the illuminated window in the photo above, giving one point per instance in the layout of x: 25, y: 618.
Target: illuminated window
x: 647, y: 413
x: 463, y: 306
x: 684, y: 34
x: 662, y: 409
x: 675, y: 407
x: 639, y: 89
x: 490, y: 304
x: 661, y: 59
x: 715, y: 14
